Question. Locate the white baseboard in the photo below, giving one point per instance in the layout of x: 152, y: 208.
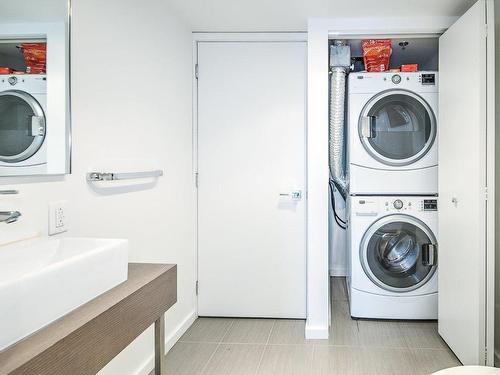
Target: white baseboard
x: 170, y: 341
x: 181, y: 329
x: 338, y: 271
x: 316, y: 333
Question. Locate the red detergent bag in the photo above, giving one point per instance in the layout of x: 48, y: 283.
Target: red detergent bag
x: 376, y: 54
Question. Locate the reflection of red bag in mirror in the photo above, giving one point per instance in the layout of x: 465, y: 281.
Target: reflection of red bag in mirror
x: 35, y: 57
x: 376, y: 54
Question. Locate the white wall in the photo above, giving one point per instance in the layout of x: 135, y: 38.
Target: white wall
x: 33, y: 11
x: 131, y: 86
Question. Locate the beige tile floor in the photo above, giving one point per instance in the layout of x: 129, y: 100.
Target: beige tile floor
x: 218, y: 346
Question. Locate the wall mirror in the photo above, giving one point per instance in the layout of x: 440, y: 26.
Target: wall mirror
x: 35, y: 125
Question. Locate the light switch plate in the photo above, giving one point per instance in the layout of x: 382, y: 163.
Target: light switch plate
x: 58, y: 217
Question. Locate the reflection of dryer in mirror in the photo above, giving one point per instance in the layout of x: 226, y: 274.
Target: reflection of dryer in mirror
x: 23, y: 124
x: 393, y: 133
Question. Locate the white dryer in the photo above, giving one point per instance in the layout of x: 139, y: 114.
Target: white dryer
x: 392, y: 133
x: 393, y: 257
x: 23, y: 101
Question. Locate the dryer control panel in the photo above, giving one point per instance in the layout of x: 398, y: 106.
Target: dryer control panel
x: 418, y: 82
x: 31, y: 83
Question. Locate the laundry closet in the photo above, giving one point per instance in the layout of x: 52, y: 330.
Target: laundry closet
x: 393, y: 154
x: 411, y: 136
x: 390, y: 128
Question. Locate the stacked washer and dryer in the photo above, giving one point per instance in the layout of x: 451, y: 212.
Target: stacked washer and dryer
x: 392, y: 200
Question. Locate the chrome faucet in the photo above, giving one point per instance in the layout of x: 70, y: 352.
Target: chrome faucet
x: 9, y: 216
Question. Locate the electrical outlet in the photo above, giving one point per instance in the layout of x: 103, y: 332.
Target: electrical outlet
x: 58, y: 217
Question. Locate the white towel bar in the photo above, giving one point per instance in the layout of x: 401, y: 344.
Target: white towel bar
x: 112, y: 176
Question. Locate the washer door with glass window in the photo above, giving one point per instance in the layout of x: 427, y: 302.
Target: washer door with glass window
x: 397, y: 127
x: 394, y: 253
x: 22, y: 126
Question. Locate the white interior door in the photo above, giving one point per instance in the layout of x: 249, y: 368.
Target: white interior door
x: 465, y: 216
x: 251, y: 163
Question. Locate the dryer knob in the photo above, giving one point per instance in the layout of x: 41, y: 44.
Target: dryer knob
x: 12, y: 80
x: 398, y: 204
x: 396, y: 78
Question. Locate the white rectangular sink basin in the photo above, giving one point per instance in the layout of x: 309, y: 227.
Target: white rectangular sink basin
x: 43, y: 279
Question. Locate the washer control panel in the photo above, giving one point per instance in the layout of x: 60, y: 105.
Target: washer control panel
x: 429, y: 205
x: 402, y: 204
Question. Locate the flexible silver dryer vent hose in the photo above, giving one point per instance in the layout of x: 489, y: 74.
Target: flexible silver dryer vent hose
x: 336, y: 132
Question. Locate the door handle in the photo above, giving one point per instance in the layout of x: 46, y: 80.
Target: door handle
x: 367, y: 126
x: 429, y: 254
x: 295, y: 195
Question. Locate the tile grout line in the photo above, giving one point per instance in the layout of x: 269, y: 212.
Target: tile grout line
x: 320, y: 345
x: 265, y: 347
x: 270, y: 332
x: 403, y: 335
x: 216, y: 348
x: 313, y: 354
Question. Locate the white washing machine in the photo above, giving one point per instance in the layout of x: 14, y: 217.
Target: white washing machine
x: 393, y: 257
x: 392, y: 135
x: 23, y: 101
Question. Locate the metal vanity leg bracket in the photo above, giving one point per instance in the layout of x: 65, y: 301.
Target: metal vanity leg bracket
x: 160, y: 367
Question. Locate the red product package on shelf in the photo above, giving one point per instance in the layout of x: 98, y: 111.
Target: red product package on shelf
x: 376, y: 54
x: 5, y: 70
x: 409, y: 68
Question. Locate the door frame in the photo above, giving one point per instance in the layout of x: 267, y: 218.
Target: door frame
x: 252, y: 37
x: 490, y: 185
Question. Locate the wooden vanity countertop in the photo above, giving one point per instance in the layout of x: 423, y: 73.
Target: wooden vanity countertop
x: 83, y: 341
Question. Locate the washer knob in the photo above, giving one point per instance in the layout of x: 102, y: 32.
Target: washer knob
x: 396, y: 78
x: 12, y: 80
x: 398, y: 204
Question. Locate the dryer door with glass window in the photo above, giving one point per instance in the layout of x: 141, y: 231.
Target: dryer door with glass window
x: 397, y: 127
x: 398, y: 253
x: 22, y: 126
